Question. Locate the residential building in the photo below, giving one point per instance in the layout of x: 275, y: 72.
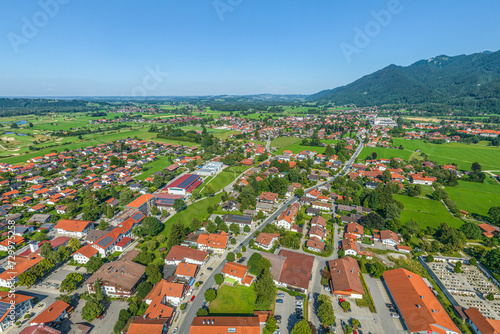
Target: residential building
x: 118, y: 279
x: 84, y: 254
x: 387, y: 237
x: 287, y: 217
x: 74, y: 228
x: 52, y: 314
x: 355, y: 229
x: 480, y: 324
x: 290, y: 269
x: 266, y: 240
x: 165, y: 293
x: 142, y: 203
x: 240, y: 220
x: 235, y: 272
x: 13, y: 306
x: 186, y: 271
x: 219, y: 325
x: 213, y: 243
x: 315, y: 244
x: 178, y: 254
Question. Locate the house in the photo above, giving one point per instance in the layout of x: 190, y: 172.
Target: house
x: 231, y: 205
x: 21, y: 230
x: 317, y: 232
x: 214, y: 243
x: 40, y: 329
x: 52, y: 314
x: 489, y: 231
x: 61, y: 209
x: 387, y: 237
x: 322, y: 206
x: 318, y: 221
x: 235, y: 272
x: 186, y: 270
x: 118, y: 279
x: 290, y: 269
x: 178, y: 254
x: 84, y: 254
x: 355, y: 229
x: 165, y: 293
x: 419, y: 308
x: 153, y: 323
x: 287, y: 217
x: 16, y: 240
x: 13, y: 306
x: 266, y: 207
x: 349, y: 247
x: 480, y: 324
x: 266, y: 240
x: 268, y: 197
x: 18, y: 266
x: 222, y: 324
x: 315, y: 244
x: 239, y: 220
x: 345, y: 280
x: 40, y: 218
x: 312, y: 211
x: 418, y: 179
x: 74, y: 228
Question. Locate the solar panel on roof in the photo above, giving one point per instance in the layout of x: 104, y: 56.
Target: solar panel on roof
x: 104, y: 242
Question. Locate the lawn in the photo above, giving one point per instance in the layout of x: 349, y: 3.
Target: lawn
x: 233, y: 300
x: 426, y: 212
x: 156, y: 166
x: 385, y: 153
x: 196, y: 210
x: 221, y: 180
x: 475, y: 198
x: 283, y: 142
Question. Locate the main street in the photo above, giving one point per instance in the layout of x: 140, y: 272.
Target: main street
x: 195, y: 305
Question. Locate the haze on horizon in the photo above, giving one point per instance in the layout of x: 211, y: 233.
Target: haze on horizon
x: 238, y: 47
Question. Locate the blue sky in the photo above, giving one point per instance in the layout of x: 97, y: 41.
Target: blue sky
x: 104, y: 48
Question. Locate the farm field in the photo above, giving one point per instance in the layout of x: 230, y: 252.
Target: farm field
x: 426, y: 212
x: 475, y: 198
x: 462, y: 154
x: 233, y: 300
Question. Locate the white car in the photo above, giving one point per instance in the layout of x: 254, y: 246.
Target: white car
x: 395, y: 315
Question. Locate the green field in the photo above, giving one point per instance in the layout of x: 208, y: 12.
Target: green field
x: 198, y: 210
x: 233, y: 300
x: 155, y: 166
x: 475, y: 198
x: 462, y: 154
x: 384, y: 153
x: 283, y: 142
x: 222, y: 179
x: 426, y: 212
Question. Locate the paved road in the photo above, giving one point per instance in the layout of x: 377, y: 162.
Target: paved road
x: 209, y: 282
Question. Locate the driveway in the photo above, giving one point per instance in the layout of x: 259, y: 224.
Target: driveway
x: 106, y: 324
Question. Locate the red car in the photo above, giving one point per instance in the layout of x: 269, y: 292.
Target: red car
x: 192, y: 298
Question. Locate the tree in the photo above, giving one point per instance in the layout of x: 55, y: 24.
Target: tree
x: 372, y: 221
x: 177, y: 235
x: 473, y: 262
x: 219, y: 279
x: 458, y: 267
x: 355, y: 323
x: 210, y: 295
x: 271, y: 325
x: 471, y: 231
x: 179, y: 204
x: 392, y: 211
x: 195, y: 224
x: 299, y: 192
x: 71, y: 282
x: 430, y: 258
x: 92, y: 309
x: 143, y: 289
x: 265, y: 290
x: 348, y: 329
x: 93, y: 264
x: 412, y: 227
x: 152, y: 226
x: 109, y: 212
x: 490, y: 296
x: 74, y: 244
x: 46, y: 249
x: 230, y: 257
x: 155, y: 211
x: 209, y: 189
x: 99, y: 295
x: 302, y: 327
x: 246, y: 228
x: 325, y: 310
x: 211, y: 227
x: 154, y: 272
x: 494, y: 213
x: 377, y: 269
x: 257, y: 263
x: 476, y: 167
x: 235, y: 228
x: 126, y: 197
x: 386, y: 176
x: 201, y: 312
x: 346, y: 306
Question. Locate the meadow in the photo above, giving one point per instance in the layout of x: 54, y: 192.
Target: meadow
x: 237, y: 299
x: 384, y: 153
x: 426, y: 212
x: 154, y: 166
x: 475, y: 198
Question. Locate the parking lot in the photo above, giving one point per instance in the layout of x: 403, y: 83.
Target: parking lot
x: 55, y: 279
x: 287, y: 312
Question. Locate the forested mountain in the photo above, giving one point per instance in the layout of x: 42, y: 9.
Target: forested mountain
x: 463, y: 82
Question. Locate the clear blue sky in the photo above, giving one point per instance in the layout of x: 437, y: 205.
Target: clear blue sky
x: 105, y: 47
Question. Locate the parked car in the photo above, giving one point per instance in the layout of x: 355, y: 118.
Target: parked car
x: 310, y: 297
x: 389, y: 305
x: 210, y: 268
x: 192, y: 298
x: 392, y: 310
x: 279, y: 301
x: 299, y: 298
x: 327, y: 288
x: 281, y: 294
x: 395, y: 315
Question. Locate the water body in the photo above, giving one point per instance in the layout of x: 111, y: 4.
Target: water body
x: 18, y: 123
